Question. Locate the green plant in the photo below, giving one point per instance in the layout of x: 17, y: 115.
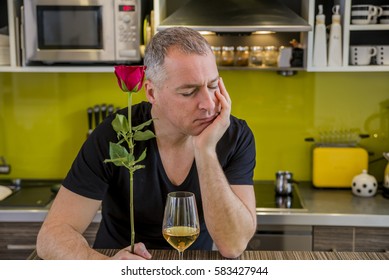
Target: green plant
x: 130, y: 80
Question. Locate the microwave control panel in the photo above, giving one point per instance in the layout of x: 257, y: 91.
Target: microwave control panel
x: 128, y: 30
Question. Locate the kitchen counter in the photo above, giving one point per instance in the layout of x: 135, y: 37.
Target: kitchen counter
x: 330, y: 207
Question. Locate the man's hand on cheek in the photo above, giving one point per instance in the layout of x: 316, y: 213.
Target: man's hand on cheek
x: 209, y: 137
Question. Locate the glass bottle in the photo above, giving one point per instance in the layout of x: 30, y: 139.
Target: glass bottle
x: 270, y: 56
x: 242, y: 56
x: 256, y: 56
x: 227, y: 56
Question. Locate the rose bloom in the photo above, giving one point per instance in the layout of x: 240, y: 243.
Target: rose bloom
x: 130, y: 78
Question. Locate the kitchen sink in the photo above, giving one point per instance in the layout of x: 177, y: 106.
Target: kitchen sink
x: 30, y: 193
x: 267, y: 199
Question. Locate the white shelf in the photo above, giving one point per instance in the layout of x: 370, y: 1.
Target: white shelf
x: 350, y: 68
x: 368, y: 27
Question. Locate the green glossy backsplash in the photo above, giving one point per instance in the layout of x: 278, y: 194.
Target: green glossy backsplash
x: 43, y: 119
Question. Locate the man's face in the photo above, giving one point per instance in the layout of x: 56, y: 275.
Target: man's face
x: 186, y: 100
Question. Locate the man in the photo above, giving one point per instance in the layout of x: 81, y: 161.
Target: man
x: 199, y: 148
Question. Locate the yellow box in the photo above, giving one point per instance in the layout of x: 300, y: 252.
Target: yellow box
x: 337, y: 166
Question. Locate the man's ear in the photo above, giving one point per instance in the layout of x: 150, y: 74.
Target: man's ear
x: 149, y: 89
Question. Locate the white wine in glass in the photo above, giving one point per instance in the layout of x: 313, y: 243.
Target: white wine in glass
x: 180, y: 222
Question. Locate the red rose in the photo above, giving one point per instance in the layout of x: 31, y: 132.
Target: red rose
x: 130, y: 78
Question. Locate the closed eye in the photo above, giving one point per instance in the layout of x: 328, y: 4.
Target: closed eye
x: 187, y: 94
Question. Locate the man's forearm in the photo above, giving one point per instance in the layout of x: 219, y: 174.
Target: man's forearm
x: 229, y: 221
x: 63, y: 242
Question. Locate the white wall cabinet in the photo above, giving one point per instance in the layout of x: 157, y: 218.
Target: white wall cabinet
x: 352, y: 34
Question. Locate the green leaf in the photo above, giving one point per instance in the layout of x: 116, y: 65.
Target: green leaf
x: 136, y: 167
x: 117, y: 162
x: 141, y: 157
x: 130, y: 159
x: 143, y: 135
x: 117, y: 151
x: 141, y: 126
x: 120, y: 123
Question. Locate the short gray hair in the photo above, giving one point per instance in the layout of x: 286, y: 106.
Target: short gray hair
x: 186, y: 40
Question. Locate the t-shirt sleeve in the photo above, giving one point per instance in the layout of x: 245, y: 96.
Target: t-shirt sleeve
x: 88, y: 173
x: 237, y: 154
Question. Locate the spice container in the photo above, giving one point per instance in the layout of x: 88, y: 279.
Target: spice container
x: 256, y: 56
x: 217, y: 51
x: 242, y: 56
x: 227, y: 58
x: 270, y: 56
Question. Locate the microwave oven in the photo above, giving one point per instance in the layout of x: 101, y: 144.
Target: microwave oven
x: 81, y: 31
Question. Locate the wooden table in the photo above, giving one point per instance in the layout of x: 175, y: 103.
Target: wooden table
x: 255, y: 255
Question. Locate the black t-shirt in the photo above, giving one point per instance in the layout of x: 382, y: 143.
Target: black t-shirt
x: 89, y: 176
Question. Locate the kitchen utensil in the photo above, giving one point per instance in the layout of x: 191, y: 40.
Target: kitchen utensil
x: 96, y: 111
x: 338, y: 137
x: 284, y: 183
x: 384, y: 20
x: 110, y: 109
x: 364, y: 185
x: 361, y: 55
x: 336, y: 166
x: 284, y: 201
x: 103, y: 111
x: 89, y: 113
x: 386, y: 175
x: 364, y: 14
x: 383, y: 55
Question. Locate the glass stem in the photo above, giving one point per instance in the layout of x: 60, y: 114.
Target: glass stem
x: 180, y: 255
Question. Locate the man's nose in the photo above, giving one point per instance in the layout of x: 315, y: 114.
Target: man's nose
x: 207, y: 100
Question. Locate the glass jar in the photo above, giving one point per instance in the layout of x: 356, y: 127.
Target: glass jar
x: 270, y: 56
x: 217, y: 51
x: 256, y: 56
x: 227, y: 56
x: 242, y: 56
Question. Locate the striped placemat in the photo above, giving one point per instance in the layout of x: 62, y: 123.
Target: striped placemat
x: 255, y: 255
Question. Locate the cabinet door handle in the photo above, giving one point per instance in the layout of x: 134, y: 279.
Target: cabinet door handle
x: 21, y: 247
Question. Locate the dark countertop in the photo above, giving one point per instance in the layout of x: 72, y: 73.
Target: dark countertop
x: 337, y: 207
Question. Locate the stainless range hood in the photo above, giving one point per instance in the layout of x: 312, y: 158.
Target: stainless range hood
x: 236, y: 16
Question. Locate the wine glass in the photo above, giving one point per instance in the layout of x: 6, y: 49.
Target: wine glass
x: 180, y: 225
